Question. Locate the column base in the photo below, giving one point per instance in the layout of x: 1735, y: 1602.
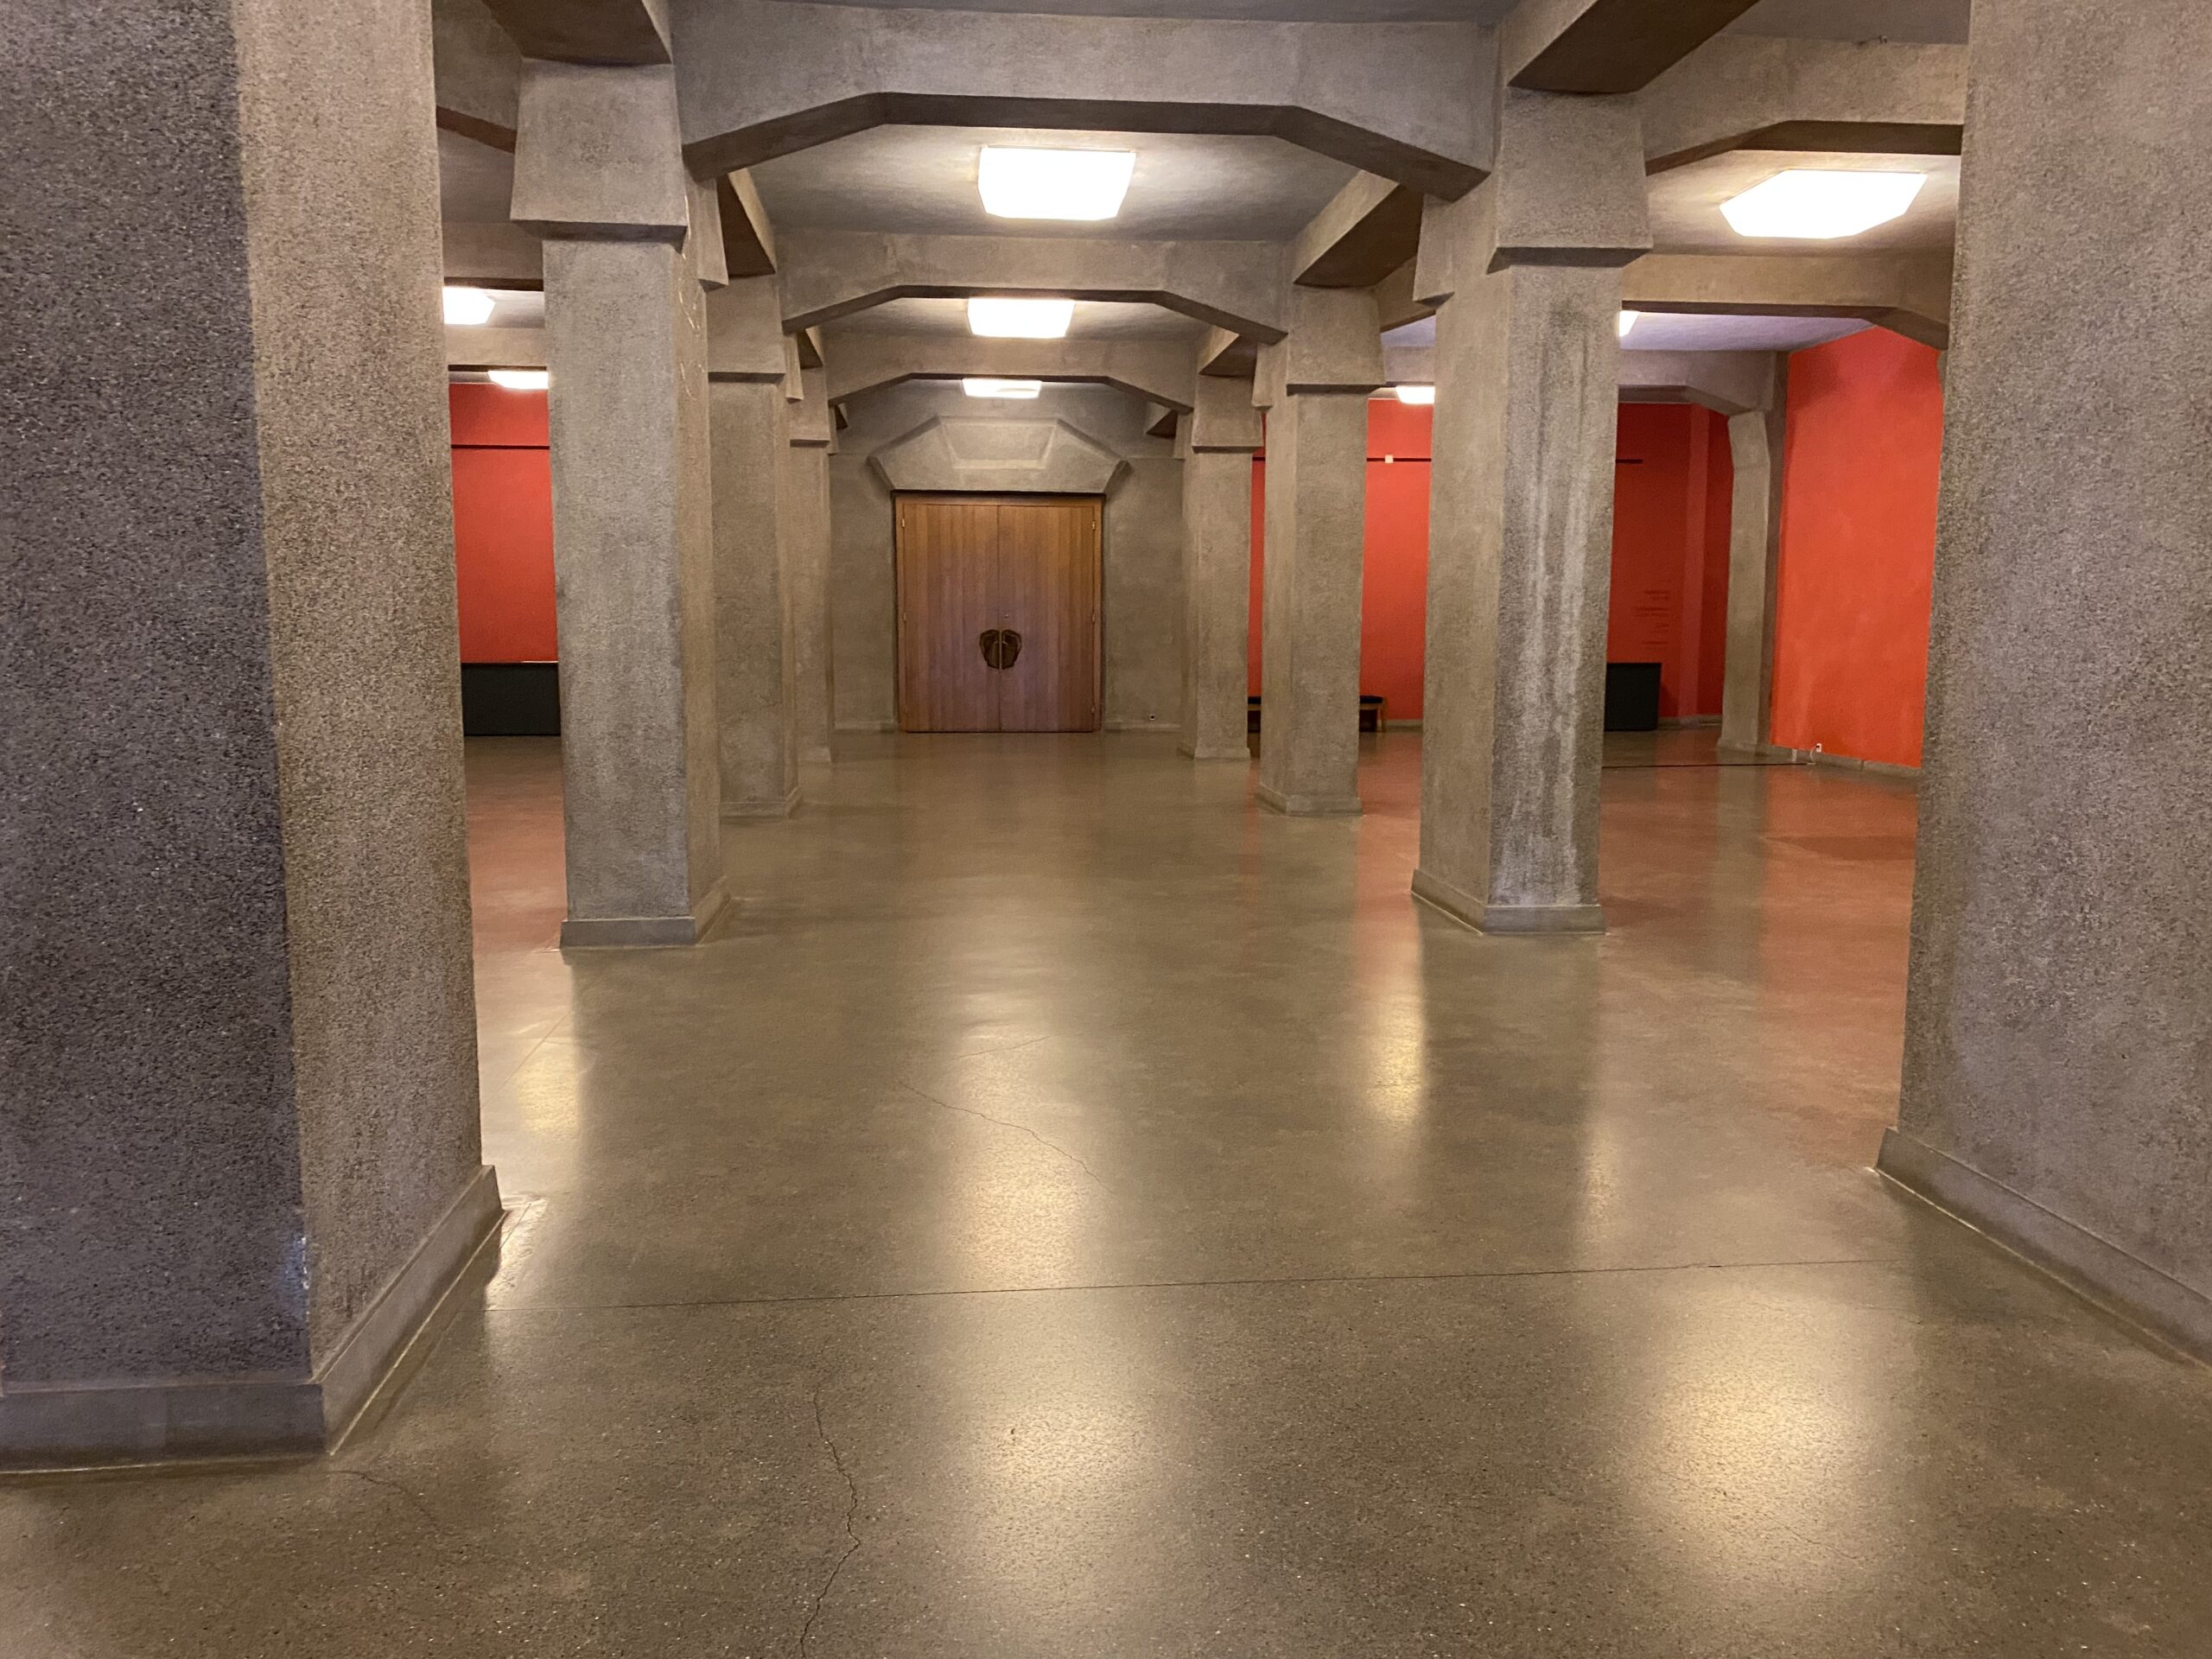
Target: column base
x: 2099, y: 1271
x: 1191, y: 751
x: 1485, y: 918
x: 1308, y: 806
x: 600, y: 932
x: 817, y: 755
x: 769, y: 807
x: 107, y: 1425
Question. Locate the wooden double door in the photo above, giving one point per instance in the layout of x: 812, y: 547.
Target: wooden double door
x: 998, y: 613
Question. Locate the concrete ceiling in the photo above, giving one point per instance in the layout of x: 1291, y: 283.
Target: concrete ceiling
x: 922, y: 180
x: 1093, y: 319
x: 475, y: 181
x: 1937, y: 21
x: 1685, y: 203
x: 1664, y: 332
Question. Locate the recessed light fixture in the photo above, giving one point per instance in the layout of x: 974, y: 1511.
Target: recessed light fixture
x: 1019, y: 183
x: 1020, y: 319
x: 521, y: 379
x: 468, y: 307
x: 984, y: 386
x: 1811, y: 204
x: 1628, y: 321
x: 1416, y: 394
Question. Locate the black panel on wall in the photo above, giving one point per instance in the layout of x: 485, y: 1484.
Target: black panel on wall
x: 1631, y: 696
x: 511, y: 699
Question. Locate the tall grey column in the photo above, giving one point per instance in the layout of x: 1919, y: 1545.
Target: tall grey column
x: 1216, y: 443
x: 238, y: 1151
x: 598, y: 173
x: 2058, y: 1017
x: 806, y: 520
x: 1315, y: 386
x: 1754, y: 544
x: 1525, y: 271
x: 755, y: 687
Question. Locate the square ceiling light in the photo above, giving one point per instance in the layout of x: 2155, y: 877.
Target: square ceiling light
x: 521, y: 379
x: 1811, y: 204
x: 1019, y: 183
x: 1416, y: 394
x: 977, y: 385
x: 995, y: 319
x: 468, y: 307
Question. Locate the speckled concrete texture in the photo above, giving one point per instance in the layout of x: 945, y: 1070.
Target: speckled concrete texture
x: 2060, y: 1015
x: 1521, y: 518
x: 1316, y: 495
x: 240, y: 1048
x: 1142, y: 601
x: 755, y: 681
x: 806, y: 564
x: 1076, y: 1213
x: 1217, y: 603
x: 633, y: 563
x: 1755, y: 440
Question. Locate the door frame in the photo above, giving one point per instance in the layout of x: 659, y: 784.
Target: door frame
x: 900, y: 500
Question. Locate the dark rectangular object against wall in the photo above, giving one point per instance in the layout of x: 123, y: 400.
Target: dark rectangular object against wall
x: 1631, y: 696
x: 511, y: 699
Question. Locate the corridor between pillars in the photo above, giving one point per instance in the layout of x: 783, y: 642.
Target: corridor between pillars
x: 803, y: 511
x: 1218, y: 438
x: 1525, y: 273
x: 626, y: 341
x: 1315, y: 386
x: 754, y: 683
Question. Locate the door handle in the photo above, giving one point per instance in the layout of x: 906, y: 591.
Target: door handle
x: 1000, y: 646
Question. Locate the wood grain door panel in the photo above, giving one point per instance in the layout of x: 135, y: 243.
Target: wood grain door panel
x: 970, y: 566
x: 947, y: 569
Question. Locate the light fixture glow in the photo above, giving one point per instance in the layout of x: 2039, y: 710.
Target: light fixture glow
x: 1020, y: 319
x: 1811, y: 204
x: 1054, y: 183
x: 1628, y: 321
x: 468, y: 307
x: 985, y: 386
x: 1416, y: 394
x: 521, y: 379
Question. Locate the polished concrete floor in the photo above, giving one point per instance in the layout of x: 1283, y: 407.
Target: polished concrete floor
x: 1067, y: 1212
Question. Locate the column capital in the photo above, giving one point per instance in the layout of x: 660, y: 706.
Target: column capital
x: 597, y: 153
x: 1335, y: 344
x: 745, y: 332
x: 1222, y: 421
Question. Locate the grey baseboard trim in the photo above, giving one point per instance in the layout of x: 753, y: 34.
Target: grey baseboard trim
x: 613, y: 933
x: 2098, y: 1271
x: 1242, y: 754
x: 192, y: 1420
x: 868, y: 725
x: 770, y: 806
x: 1402, y: 725
x: 1136, y: 726
x: 1308, y: 806
x: 1463, y: 906
x: 1687, y: 722
x: 1840, y: 762
x: 817, y: 755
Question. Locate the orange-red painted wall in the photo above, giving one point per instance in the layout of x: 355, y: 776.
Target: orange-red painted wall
x: 1670, y: 552
x: 503, y: 525
x: 1860, y: 465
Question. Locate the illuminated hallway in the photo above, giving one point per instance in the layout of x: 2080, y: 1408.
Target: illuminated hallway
x: 1066, y: 1211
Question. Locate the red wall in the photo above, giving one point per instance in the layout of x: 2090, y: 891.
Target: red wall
x: 1859, y: 473
x: 503, y: 525
x: 1670, y: 553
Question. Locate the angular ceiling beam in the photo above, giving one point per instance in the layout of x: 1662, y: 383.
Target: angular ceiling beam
x: 764, y: 77
x: 1749, y: 91
x: 832, y: 274
x: 1367, y: 230
x: 476, y: 69
x: 1157, y: 370
x: 1907, y: 292
x: 1606, y: 46
x: 748, y: 241
x: 623, y: 32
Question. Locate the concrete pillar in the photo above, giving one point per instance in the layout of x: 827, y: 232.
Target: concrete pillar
x: 1754, y: 544
x: 1314, y: 385
x: 1526, y: 273
x: 597, y: 172
x: 2058, y: 1018
x: 806, y: 520
x: 238, y: 1151
x: 755, y: 687
x: 1216, y: 443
